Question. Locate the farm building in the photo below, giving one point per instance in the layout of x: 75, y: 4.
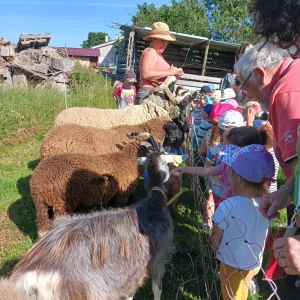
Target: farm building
x: 86, y: 57
x: 202, y: 60
x: 108, y: 52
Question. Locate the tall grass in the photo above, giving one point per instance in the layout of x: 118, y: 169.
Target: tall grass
x: 31, y: 110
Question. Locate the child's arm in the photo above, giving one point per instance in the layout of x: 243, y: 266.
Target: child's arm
x: 198, y: 171
x: 203, y: 149
x: 216, y: 237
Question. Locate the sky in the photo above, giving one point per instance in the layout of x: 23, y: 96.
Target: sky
x: 68, y: 22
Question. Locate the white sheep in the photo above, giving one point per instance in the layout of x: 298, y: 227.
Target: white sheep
x: 156, y: 105
x: 72, y: 138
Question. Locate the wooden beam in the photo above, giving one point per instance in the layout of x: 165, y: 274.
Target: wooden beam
x: 205, y: 59
x: 130, y: 49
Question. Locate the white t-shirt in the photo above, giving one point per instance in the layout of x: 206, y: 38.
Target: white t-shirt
x: 245, y: 232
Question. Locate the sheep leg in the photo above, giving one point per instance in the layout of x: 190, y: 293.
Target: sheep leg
x: 157, y: 288
x: 130, y: 297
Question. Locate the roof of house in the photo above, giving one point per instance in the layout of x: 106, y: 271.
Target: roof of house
x: 83, y: 52
x: 182, y: 39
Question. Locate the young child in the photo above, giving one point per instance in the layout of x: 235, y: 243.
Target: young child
x: 228, y: 120
x: 125, y: 94
x: 240, y: 230
x: 205, y: 92
x: 241, y: 137
x: 205, y: 123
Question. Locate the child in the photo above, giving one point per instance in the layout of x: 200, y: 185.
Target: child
x: 125, y: 94
x: 240, y: 136
x: 205, y: 123
x: 229, y: 119
x: 205, y: 92
x: 240, y: 229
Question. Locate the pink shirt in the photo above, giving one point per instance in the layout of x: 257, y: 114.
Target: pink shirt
x: 284, y: 113
x: 161, y: 65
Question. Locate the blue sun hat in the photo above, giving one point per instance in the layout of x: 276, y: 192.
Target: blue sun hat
x: 253, y: 163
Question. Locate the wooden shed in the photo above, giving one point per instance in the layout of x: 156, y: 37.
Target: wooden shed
x: 202, y: 60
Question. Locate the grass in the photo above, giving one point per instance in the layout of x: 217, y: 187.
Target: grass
x: 25, y: 117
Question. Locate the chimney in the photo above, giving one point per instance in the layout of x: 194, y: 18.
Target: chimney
x: 106, y: 38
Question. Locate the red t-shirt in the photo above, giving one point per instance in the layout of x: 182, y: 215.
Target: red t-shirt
x: 284, y: 113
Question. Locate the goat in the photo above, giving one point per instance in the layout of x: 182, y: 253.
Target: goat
x: 103, y: 255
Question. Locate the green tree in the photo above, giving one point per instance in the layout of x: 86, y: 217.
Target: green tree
x: 221, y: 20
x: 94, y: 38
x: 185, y: 16
x: 230, y: 21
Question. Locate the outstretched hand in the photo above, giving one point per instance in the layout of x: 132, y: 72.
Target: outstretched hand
x: 273, y: 202
x: 179, y: 170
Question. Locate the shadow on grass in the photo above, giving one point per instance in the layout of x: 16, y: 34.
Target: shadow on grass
x: 22, y: 212
x: 7, y: 267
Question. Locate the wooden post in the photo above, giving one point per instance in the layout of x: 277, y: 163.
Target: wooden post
x: 205, y: 59
x: 130, y: 49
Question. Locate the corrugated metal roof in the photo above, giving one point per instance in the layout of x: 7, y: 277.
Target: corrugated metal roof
x: 83, y: 52
x: 182, y: 39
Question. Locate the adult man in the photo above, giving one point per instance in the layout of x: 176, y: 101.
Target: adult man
x: 270, y: 75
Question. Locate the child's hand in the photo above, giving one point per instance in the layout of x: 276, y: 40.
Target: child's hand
x: 179, y: 170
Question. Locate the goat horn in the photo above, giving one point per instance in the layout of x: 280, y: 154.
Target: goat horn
x: 146, y: 144
x: 169, y: 94
x: 155, y: 90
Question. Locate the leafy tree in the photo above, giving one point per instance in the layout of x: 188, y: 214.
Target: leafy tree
x: 221, y: 20
x: 230, y: 21
x: 185, y: 16
x: 94, y: 38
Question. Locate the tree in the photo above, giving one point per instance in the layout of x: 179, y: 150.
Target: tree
x: 230, y: 21
x: 185, y: 16
x: 221, y: 20
x: 94, y: 38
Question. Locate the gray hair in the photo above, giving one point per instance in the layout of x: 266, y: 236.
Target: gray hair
x: 266, y: 55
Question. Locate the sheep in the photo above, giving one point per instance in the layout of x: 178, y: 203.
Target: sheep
x: 72, y: 138
x: 156, y: 105
x: 70, y: 182
x: 104, y: 255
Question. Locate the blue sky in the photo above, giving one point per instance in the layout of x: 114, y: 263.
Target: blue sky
x: 68, y: 22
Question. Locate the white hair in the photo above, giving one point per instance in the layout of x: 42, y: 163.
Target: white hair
x: 266, y: 55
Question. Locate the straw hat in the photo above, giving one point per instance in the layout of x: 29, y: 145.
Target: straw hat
x: 161, y: 31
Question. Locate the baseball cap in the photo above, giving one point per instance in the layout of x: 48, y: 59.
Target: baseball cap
x: 218, y: 110
x: 253, y: 163
x: 212, y: 86
x: 130, y: 76
x: 205, y: 89
x: 231, y: 118
x: 207, y: 108
x: 228, y: 93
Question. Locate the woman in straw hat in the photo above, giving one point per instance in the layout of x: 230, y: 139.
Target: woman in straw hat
x: 152, y: 65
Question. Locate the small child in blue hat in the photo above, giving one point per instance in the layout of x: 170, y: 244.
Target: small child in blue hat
x: 240, y: 230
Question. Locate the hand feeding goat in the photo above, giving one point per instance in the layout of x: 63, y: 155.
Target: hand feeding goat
x: 105, y: 255
x: 156, y: 105
x: 72, y: 138
x: 67, y: 183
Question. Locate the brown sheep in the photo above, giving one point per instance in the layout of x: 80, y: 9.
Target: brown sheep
x: 72, y: 138
x: 66, y: 183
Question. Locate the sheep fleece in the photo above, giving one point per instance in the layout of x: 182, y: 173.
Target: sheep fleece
x: 73, y: 138
x: 107, y: 118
